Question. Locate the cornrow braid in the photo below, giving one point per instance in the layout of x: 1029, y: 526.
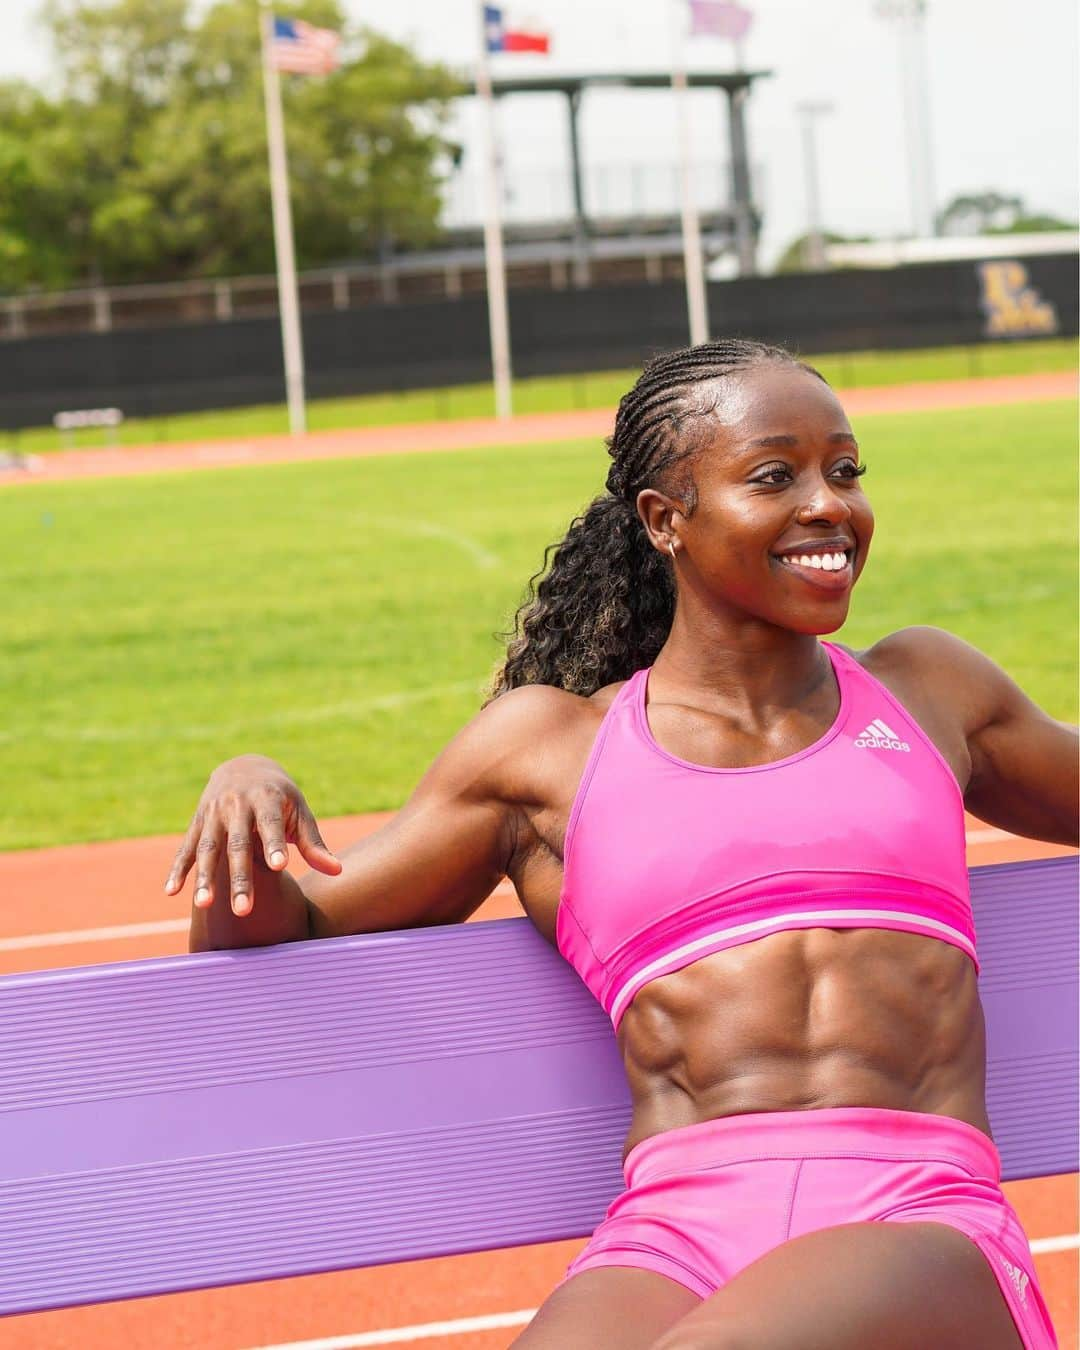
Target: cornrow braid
x: 602, y: 603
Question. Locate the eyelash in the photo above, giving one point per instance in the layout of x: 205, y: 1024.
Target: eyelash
x: 854, y: 471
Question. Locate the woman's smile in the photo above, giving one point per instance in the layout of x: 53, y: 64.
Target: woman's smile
x: 829, y: 566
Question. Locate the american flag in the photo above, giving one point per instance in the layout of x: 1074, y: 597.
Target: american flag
x: 302, y: 49
x: 719, y: 18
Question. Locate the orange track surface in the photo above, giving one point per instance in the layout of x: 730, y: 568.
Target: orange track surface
x: 470, y: 433
x: 98, y: 885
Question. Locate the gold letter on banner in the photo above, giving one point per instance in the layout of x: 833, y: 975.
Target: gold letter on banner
x: 1012, y: 307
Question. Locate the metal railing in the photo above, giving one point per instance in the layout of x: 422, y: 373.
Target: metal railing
x: 547, y: 264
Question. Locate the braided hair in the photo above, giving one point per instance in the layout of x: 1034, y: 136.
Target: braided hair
x: 602, y: 603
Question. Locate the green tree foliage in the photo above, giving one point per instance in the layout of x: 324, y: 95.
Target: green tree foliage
x: 149, y: 160
x: 992, y: 212
x: 795, y: 258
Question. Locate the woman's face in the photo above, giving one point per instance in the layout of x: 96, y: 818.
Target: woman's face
x: 782, y: 527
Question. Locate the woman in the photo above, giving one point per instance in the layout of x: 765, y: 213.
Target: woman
x: 750, y: 844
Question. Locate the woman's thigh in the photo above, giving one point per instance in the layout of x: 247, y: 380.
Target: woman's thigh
x: 889, y: 1286
x: 600, y: 1309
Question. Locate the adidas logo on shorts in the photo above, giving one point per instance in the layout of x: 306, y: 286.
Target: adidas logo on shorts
x: 879, y: 736
x: 1019, y: 1278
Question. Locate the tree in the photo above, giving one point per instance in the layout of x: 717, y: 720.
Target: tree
x: 794, y: 257
x: 992, y: 212
x: 1039, y: 223
x: 151, y: 161
x: 34, y: 204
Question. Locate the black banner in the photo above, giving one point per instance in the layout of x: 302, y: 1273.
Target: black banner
x: 380, y: 348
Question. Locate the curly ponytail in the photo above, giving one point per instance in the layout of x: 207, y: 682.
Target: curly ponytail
x: 602, y: 603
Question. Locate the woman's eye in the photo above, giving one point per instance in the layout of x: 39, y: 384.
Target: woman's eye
x: 773, y: 476
x: 849, y: 469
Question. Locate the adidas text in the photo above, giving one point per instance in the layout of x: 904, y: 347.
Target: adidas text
x: 879, y: 736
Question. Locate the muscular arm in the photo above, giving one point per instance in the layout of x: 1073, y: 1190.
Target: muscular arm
x: 1024, y: 763
x: 442, y: 854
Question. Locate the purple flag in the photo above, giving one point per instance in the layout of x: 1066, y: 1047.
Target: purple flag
x: 719, y: 18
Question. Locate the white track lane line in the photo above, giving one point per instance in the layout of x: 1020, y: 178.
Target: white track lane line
x: 424, y: 1331
x: 1043, y: 1246
x: 73, y: 936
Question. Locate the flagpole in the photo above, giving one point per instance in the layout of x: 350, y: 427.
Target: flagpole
x: 284, y: 253
x: 693, y: 259
x: 494, y: 262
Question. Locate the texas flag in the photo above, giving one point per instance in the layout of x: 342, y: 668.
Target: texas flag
x: 503, y: 39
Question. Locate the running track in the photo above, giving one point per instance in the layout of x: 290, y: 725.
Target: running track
x: 472, y: 433
x: 84, y: 904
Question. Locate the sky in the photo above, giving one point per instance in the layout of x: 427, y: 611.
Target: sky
x: 1000, y: 99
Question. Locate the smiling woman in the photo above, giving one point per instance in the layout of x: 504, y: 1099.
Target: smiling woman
x: 749, y: 843
x: 607, y: 605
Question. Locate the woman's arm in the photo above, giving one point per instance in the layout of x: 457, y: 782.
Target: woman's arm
x: 1024, y: 763
x: 433, y: 863
x: 1024, y: 774
x: 443, y: 853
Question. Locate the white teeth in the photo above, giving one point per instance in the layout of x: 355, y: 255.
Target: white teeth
x: 820, y: 562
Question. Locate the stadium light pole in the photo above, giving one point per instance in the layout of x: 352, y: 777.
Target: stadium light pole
x: 693, y: 258
x: 910, y: 19
x: 284, y: 251
x: 815, y: 238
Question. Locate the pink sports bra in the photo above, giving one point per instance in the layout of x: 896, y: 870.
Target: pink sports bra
x: 667, y: 861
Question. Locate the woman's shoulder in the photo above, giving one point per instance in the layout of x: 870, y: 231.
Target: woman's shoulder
x: 544, y: 714
x: 531, y: 741
x: 931, y: 667
x: 921, y: 650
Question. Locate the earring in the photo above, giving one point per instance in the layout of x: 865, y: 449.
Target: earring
x: 671, y: 547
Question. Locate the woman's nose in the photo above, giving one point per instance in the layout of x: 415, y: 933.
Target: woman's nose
x: 824, y: 504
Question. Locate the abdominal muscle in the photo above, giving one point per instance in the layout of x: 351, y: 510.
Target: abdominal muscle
x: 808, y: 1019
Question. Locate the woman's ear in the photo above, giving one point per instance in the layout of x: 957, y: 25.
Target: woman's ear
x: 662, y: 517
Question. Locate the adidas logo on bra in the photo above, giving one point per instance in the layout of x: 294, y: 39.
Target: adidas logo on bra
x: 879, y: 736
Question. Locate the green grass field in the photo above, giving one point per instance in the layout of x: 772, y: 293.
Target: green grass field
x: 846, y: 370
x: 340, y: 615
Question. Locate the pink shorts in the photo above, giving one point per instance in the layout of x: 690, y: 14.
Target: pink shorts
x: 704, y: 1201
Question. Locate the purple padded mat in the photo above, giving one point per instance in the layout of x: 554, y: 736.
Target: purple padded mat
x: 232, y: 1116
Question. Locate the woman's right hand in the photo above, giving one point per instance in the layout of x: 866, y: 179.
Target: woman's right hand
x: 248, y: 815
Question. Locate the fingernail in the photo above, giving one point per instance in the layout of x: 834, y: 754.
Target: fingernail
x: 240, y: 904
x: 277, y: 858
x: 202, y: 895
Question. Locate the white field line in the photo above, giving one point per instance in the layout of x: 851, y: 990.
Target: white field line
x: 286, y: 717
x: 423, y: 1331
x: 428, y: 529
x: 73, y: 936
